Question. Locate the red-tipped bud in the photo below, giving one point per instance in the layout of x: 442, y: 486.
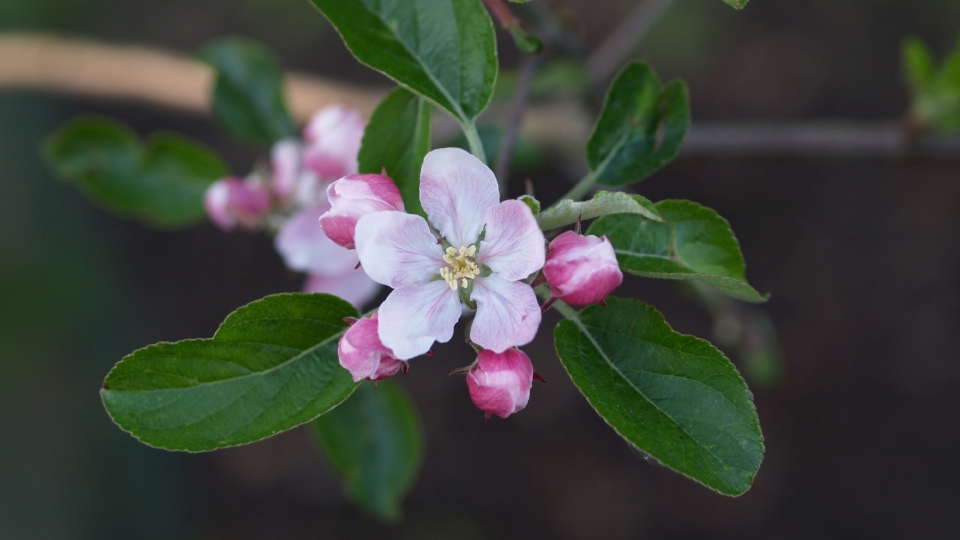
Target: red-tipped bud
x: 581, y: 270
x: 500, y: 383
x: 353, y: 197
x: 363, y: 355
x: 233, y: 202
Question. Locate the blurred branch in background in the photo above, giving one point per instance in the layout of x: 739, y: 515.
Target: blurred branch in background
x: 113, y: 72
x: 134, y: 73
x: 615, y: 50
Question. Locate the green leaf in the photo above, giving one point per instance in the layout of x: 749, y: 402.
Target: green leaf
x: 248, y: 94
x: 694, y: 243
x: 396, y: 139
x: 675, y: 397
x: 375, y: 442
x: 272, y: 365
x: 161, y: 182
x: 604, y: 203
x: 444, y: 50
x: 738, y: 4
x: 919, y: 65
x: 640, y: 128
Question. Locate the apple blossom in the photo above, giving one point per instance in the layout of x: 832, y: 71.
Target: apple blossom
x: 499, y: 383
x: 233, y: 202
x: 354, y: 196
x: 581, y: 270
x: 331, y: 268
x: 363, y: 355
x: 486, y: 248
x: 333, y: 138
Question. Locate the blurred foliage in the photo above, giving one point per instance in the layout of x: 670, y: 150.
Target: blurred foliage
x: 935, y: 87
x: 66, y: 472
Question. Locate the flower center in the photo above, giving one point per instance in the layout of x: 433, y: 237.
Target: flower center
x: 461, y: 266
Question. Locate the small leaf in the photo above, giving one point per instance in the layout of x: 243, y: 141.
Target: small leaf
x: 532, y: 203
x: 694, y: 243
x: 161, y: 183
x: 248, y: 94
x: 444, y: 50
x: 396, y: 139
x: 675, y: 397
x: 640, y: 128
x: 919, y: 65
x: 738, y: 4
x: 272, y: 365
x: 375, y: 442
x: 603, y: 203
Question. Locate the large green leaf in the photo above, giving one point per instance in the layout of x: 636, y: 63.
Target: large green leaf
x: 396, y: 139
x: 694, y: 243
x: 160, y: 182
x: 640, y: 129
x: 675, y: 397
x: 375, y: 442
x: 444, y: 50
x: 272, y: 365
x: 248, y: 93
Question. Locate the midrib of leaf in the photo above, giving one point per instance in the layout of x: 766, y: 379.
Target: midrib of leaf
x: 572, y: 315
x: 603, y: 164
x: 443, y: 90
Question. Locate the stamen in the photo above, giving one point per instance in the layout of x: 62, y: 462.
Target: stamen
x: 462, y: 267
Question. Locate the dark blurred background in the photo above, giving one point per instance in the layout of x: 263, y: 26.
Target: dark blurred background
x: 862, y: 259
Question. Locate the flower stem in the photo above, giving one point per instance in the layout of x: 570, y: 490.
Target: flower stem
x: 473, y: 139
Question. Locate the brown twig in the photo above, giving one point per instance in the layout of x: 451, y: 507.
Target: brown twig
x: 520, y: 98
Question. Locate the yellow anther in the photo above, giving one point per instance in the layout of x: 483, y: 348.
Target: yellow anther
x: 461, y: 266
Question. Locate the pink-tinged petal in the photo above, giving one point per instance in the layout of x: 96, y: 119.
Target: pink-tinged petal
x: 455, y: 190
x: 414, y: 316
x: 285, y: 159
x: 500, y: 382
x: 354, y: 286
x: 582, y: 270
x: 397, y: 249
x: 513, y: 245
x: 305, y: 248
x: 233, y: 202
x: 363, y: 355
x: 291, y: 181
x: 333, y: 136
x: 508, y: 314
x: 354, y: 196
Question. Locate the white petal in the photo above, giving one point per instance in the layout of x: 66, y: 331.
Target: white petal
x: 304, y: 246
x: 397, y: 249
x: 354, y: 286
x: 415, y: 316
x: 513, y: 246
x: 455, y: 190
x: 508, y: 314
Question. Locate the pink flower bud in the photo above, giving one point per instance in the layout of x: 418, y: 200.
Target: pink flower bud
x: 363, y: 355
x: 231, y: 202
x: 500, y: 383
x: 333, y: 138
x: 581, y: 270
x: 353, y: 197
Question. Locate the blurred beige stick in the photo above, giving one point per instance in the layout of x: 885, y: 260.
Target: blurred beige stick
x: 135, y: 73
x: 126, y: 72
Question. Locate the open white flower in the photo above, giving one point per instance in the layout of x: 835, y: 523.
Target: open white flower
x: 485, y: 248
